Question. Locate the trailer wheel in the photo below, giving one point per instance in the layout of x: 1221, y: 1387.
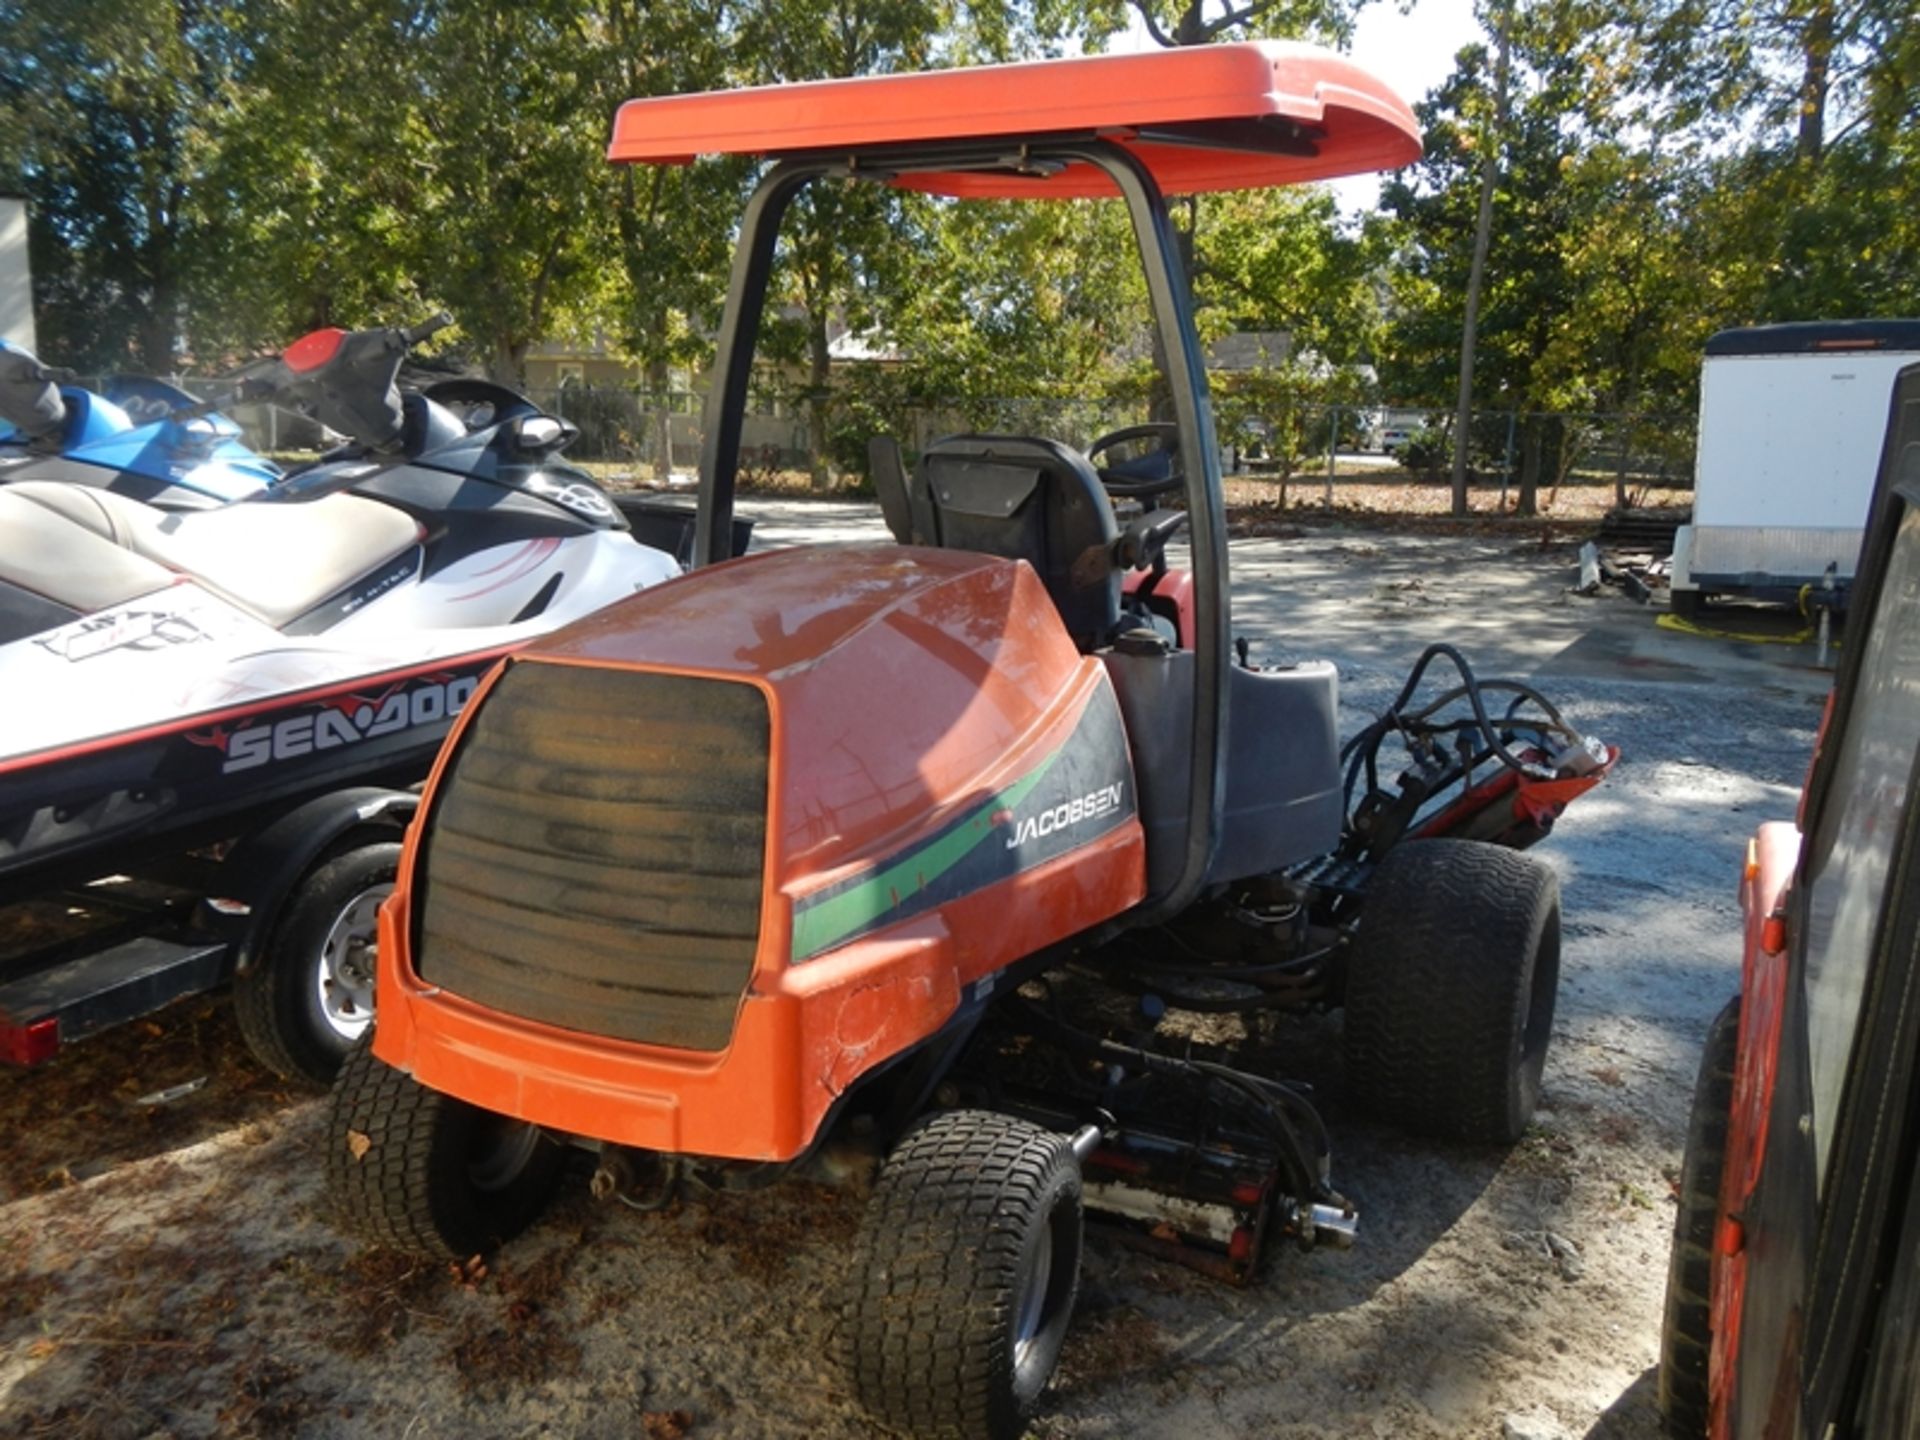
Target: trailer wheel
x: 308, y: 998
x: 1450, y: 989
x: 419, y: 1171
x: 964, y: 1276
x: 1686, y: 1330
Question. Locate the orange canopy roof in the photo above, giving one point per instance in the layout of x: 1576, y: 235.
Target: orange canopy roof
x: 1211, y: 117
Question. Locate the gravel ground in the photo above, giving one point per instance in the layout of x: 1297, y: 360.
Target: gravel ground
x: 168, y: 1269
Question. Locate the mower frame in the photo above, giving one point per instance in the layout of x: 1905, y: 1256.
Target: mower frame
x: 945, y: 989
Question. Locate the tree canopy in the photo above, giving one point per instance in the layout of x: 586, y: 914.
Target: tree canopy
x: 210, y: 177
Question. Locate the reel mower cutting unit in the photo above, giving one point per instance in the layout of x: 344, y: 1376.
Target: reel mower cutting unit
x: 978, y: 851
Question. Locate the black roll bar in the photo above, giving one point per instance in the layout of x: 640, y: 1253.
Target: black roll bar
x: 1172, y: 307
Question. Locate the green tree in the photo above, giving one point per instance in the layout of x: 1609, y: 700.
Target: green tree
x: 1192, y: 22
x: 512, y: 145
x: 110, y: 110
x: 673, y: 223
x: 1284, y: 260
x: 1006, y: 300
x: 312, y: 210
x: 840, y: 243
x: 1590, y: 269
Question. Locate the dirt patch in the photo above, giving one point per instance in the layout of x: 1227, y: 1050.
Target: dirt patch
x: 378, y: 1294
x: 92, y: 1107
x: 760, y: 1233
x: 1381, y: 499
x: 1111, y: 1343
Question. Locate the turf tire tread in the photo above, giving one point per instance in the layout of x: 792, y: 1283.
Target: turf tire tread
x: 1686, y: 1330
x: 927, y: 1324
x: 1439, y: 978
x: 407, y: 1187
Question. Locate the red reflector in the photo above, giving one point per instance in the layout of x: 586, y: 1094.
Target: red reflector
x: 1240, y: 1247
x: 1773, y: 935
x: 1248, y: 1194
x: 310, y: 352
x: 32, y: 1043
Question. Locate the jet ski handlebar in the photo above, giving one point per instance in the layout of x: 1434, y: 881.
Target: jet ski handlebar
x: 349, y: 379
x: 30, y: 400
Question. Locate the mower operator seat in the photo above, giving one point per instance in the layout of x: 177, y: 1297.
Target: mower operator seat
x: 1024, y: 498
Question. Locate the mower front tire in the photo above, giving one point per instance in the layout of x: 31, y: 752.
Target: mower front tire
x: 415, y: 1170
x: 964, y: 1276
x: 1451, y: 981
x: 1686, y: 1331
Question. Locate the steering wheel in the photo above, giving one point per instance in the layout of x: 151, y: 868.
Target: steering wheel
x: 1145, y: 476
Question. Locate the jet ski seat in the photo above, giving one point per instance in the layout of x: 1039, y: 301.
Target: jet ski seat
x: 43, y: 552
x: 275, y: 561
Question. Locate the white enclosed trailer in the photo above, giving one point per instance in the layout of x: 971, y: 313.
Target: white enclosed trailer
x: 1791, y: 420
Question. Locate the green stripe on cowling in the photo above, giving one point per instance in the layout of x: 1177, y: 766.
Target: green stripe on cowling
x: 820, y: 926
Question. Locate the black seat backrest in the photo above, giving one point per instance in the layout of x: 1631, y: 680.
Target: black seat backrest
x: 1024, y: 498
x: 889, y: 474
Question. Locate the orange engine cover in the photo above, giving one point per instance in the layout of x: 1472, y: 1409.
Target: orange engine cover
x: 603, y: 926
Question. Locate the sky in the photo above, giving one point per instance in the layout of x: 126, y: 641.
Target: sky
x: 1411, y: 52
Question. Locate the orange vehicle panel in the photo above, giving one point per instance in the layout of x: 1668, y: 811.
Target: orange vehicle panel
x: 901, y: 677
x: 915, y: 695
x: 1353, y: 121
x: 1772, y: 856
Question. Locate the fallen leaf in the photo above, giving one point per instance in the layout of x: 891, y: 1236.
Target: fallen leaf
x: 358, y: 1144
x: 666, y: 1424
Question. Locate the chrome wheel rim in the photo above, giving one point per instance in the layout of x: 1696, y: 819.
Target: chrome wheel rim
x: 502, y: 1149
x: 1030, y: 1311
x: 344, y: 976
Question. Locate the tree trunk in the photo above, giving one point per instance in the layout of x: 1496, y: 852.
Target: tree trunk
x: 819, y: 397
x: 1476, y: 274
x: 1620, y: 465
x: 159, y: 329
x: 661, y: 417
x: 506, y: 362
x: 1815, y: 81
x: 1532, y: 442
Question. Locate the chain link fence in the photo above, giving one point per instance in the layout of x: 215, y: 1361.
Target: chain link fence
x: 1294, y: 447
x: 1508, y: 449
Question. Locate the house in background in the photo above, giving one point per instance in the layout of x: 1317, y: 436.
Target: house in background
x: 589, y: 383
x: 16, y: 279
x: 1249, y: 350
x: 556, y: 364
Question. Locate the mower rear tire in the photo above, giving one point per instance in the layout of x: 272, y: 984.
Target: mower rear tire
x: 415, y: 1170
x: 1450, y: 990
x: 308, y: 997
x: 1686, y: 1331
x: 964, y: 1276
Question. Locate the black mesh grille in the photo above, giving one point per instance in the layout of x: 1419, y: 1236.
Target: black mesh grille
x: 593, y: 857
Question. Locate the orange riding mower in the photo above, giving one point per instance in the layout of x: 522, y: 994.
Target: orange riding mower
x: 971, y: 853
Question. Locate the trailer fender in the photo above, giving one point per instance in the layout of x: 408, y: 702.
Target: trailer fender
x: 265, y: 866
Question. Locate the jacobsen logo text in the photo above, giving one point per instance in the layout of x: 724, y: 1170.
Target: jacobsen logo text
x: 347, y: 724
x: 1076, y: 811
